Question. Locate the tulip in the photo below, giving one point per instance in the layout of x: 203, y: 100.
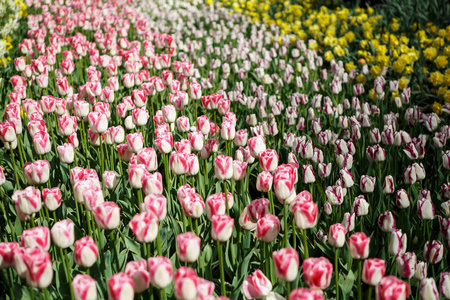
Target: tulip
x: 245, y: 222
x: 268, y: 228
x: 386, y: 222
x: 334, y: 195
x: 160, y: 269
x: 152, y: 183
x: 39, y: 270
x: 110, y: 179
x: 188, y: 247
x: 223, y: 167
x: 359, y: 245
x: 287, y: 263
x: 317, y: 272
x: 444, y: 284
x: 84, y: 287
x: 397, y: 242
x: 257, y: 286
x: 86, y: 252
x: 324, y: 170
x: 169, y: 113
x: 433, y: 251
x: 264, y: 182
x: 373, y: 271
x: 428, y: 289
x: 145, y: 227
x: 41, y: 143
x: 120, y: 287
x: 27, y: 200
x: 178, y: 163
x: 185, y: 284
x: 98, y: 121
x: 421, y: 270
x: 336, y: 235
x: 403, y: 200
x: 135, y: 142
x: 66, y: 153
x: 107, y: 215
x: 37, y: 237
x: 367, y: 184
x: 193, y: 206
x: 137, y: 270
x: 305, y: 213
x: 7, y: 250
x: 306, y: 294
x: 37, y: 172
x: 308, y: 174
x: 391, y: 287
x: 407, y: 264
x: 63, y: 233
x: 257, y: 209
x: 222, y: 227
x: 256, y: 145
x: 135, y: 175
x: 425, y: 209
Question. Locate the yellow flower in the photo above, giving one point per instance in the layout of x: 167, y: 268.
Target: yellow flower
x: 403, y: 83
x: 408, y: 70
x: 437, y: 108
x: 372, y: 95
x: 437, y: 78
x: 361, y: 79
x: 23, y: 114
x: 441, y: 61
x: 363, y: 44
x: 328, y: 55
x: 447, y: 96
x: 430, y: 53
x: 349, y: 66
x: 338, y: 51
x: 441, y: 91
x: 375, y: 70
x: 395, y: 26
x: 438, y: 42
x: 398, y: 66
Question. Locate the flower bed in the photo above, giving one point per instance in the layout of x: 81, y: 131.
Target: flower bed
x: 173, y: 150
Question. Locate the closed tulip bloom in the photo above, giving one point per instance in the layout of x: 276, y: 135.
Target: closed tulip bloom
x: 407, y: 264
x: 264, y: 182
x: 388, y: 185
x: 37, y: 172
x: 284, y: 185
x: 41, y: 143
x: 135, y: 142
x: 140, y: 116
x: 203, y: 124
x: 228, y: 131
x: 258, y: 208
x: 305, y: 213
x: 7, y: 132
x: 421, y: 270
x: 347, y: 178
x: 98, y: 121
x: 92, y: 195
x: 367, y: 184
x: 185, y: 284
x: 360, y: 206
x: 268, y: 228
x: 28, y: 200
x: 306, y: 294
x: 425, y: 209
x: 359, y: 245
x: 433, y: 251
x: 67, y: 125
x: 391, y: 287
x: 155, y: 204
x: 197, y: 140
x: 428, y: 289
x: 188, y: 247
x: 287, y: 264
x: 110, y: 180
x: 66, y: 153
x: 241, y: 137
x: 120, y: 287
x: 2, y: 176
x: 164, y: 143
x: 348, y: 221
x: 193, y: 205
x: 63, y: 233
x: 21, y: 255
x: 86, y: 252
x: 336, y: 235
x: 317, y: 272
x: 193, y: 164
x: 169, y: 113
x: 179, y: 163
x: 444, y: 284
x: 245, y: 222
x: 145, y: 227
x: 256, y: 145
x: 386, y: 222
x: 152, y: 183
x: 308, y: 174
x: 403, y: 200
x: 183, y: 146
x: 397, y: 242
x: 223, y: 167
x: 137, y: 270
x: 84, y: 287
x: 222, y: 227
x: 183, y: 124
x: 107, y: 215
x: 324, y: 170
x: 7, y: 250
x: 239, y: 170
x: 39, y: 270
x: 161, y: 271
x: 257, y: 286
x: 373, y: 271
x: 37, y: 237
x: 135, y: 175
x: 335, y: 195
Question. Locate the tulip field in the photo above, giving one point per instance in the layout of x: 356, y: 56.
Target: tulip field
x: 199, y: 150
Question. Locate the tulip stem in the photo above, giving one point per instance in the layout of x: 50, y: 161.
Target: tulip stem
x: 99, y: 231
x: 359, y: 280
x: 158, y: 243
x: 288, y: 290
x: 336, y: 271
x: 222, y: 274
x: 226, y: 196
x: 88, y: 215
x: 286, y: 229
x: 272, y: 207
x: 20, y: 143
x: 102, y: 160
x: 14, y: 165
x: 31, y: 292
x: 369, y: 293
x: 65, y: 260
x: 113, y: 243
x: 305, y: 244
x: 294, y: 234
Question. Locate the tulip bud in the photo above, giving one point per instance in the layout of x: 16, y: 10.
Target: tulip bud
x: 37, y: 237
x: 145, y: 227
x: 84, y: 287
x: 433, y: 251
x: 7, y: 254
x: 185, y: 284
x: 359, y: 245
x: 386, y: 222
x: 256, y: 145
x: 110, y: 180
x: 444, y: 284
x: 317, y: 272
x: 425, y: 209
x: 63, y: 233
x: 86, y: 252
x: 188, y: 247
x: 120, y: 287
x: 39, y: 270
x: 287, y: 263
x: 160, y: 269
x: 391, y: 287
x: 223, y: 167
x: 308, y: 174
x: 268, y: 228
x: 397, y: 242
x: 257, y: 286
x: 268, y: 160
x: 222, y: 227
x: 373, y: 271
x: 305, y: 212
x: 407, y: 264
x: 367, y: 184
x: 336, y: 235
x: 360, y: 206
x: 107, y: 215
x: 137, y: 270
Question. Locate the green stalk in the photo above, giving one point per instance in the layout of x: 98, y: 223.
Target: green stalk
x: 305, y: 244
x: 20, y: 143
x: 226, y: 196
x: 336, y: 271
x: 14, y: 165
x: 65, y: 260
x: 272, y: 207
x: 359, y: 280
x: 113, y: 244
x: 158, y: 243
x: 222, y: 274
x: 288, y: 290
x: 286, y: 229
x: 102, y: 160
